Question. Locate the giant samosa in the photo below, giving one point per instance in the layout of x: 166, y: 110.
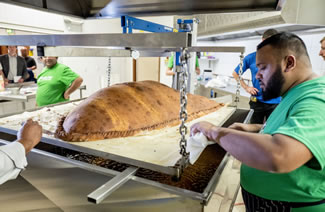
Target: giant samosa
x: 126, y: 109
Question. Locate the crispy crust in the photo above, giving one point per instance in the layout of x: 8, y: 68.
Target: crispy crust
x: 127, y: 109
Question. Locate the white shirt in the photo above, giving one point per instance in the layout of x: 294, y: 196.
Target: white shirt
x: 12, y: 67
x: 12, y: 161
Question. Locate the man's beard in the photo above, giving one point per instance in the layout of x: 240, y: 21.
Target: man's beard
x: 274, y: 86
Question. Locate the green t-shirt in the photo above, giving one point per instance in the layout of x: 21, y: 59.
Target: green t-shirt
x: 52, y: 83
x: 300, y: 115
x: 171, y: 62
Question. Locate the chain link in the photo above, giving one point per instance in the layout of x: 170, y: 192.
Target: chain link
x: 108, y: 71
x: 239, y: 79
x: 183, y: 101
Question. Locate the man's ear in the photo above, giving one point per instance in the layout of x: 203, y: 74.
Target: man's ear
x: 290, y: 63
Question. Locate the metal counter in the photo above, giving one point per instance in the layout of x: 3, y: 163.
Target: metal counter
x: 19, y: 100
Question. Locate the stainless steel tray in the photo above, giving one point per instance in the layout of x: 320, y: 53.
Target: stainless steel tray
x: 174, y: 170
x: 238, y: 116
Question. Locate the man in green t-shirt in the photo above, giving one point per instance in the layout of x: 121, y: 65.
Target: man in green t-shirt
x: 283, y: 161
x: 56, y: 82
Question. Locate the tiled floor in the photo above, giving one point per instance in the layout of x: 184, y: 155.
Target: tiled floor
x: 225, y: 192
x: 239, y: 204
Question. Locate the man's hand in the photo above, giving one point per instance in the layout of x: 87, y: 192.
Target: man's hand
x: 209, y: 130
x: 21, y: 80
x: 251, y: 90
x: 197, y: 71
x: 6, y: 82
x: 74, y: 86
x: 29, y: 134
x: 246, y: 127
x: 66, y: 95
x: 169, y: 72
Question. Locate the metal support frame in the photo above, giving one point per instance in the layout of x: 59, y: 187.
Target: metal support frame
x: 85, y: 52
x: 112, y: 185
x: 122, y: 45
x: 129, y: 23
x: 81, y: 88
x: 122, y: 41
x: 183, y: 26
x: 143, y: 51
x: 226, y: 49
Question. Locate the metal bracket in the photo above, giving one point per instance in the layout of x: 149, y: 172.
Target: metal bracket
x: 181, y: 165
x: 105, y: 190
x: 129, y: 23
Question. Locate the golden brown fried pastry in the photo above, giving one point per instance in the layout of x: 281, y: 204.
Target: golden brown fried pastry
x: 126, y: 109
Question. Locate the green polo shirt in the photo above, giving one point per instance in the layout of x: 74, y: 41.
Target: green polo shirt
x: 171, y: 62
x: 52, y: 83
x: 300, y: 115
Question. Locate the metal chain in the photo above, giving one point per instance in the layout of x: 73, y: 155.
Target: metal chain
x: 183, y: 101
x: 108, y: 71
x: 239, y: 79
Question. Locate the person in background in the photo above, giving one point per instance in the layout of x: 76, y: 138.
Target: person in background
x: 13, y: 155
x: 283, y: 161
x: 30, y: 62
x: 262, y: 108
x: 322, y: 48
x: 56, y: 82
x: 12, y: 66
x: 170, y: 72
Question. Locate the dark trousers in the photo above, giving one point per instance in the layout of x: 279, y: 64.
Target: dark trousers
x: 255, y: 203
x: 261, y: 111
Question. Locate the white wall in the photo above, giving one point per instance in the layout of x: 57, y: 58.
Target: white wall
x: 25, y: 19
x: 227, y: 62
x: 121, y: 67
x: 167, y: 21
x: 92, y: 70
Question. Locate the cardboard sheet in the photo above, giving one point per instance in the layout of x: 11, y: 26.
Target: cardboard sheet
x: 159, y: 147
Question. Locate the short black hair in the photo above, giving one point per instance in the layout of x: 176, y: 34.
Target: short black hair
x: 269, y: 33
x: 285, y: 41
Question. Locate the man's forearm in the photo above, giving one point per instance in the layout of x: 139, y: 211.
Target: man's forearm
x: 2, y: 74
x: 169, y: 72
x: 246, y: 127
x: 242, y: 83
x: 273, y: 153
x: 12, y: 161
x: 246, y: 147
x: 32, y: 68
x: 74, y: 86
x: 4, y: 78
x: 255, y: 127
